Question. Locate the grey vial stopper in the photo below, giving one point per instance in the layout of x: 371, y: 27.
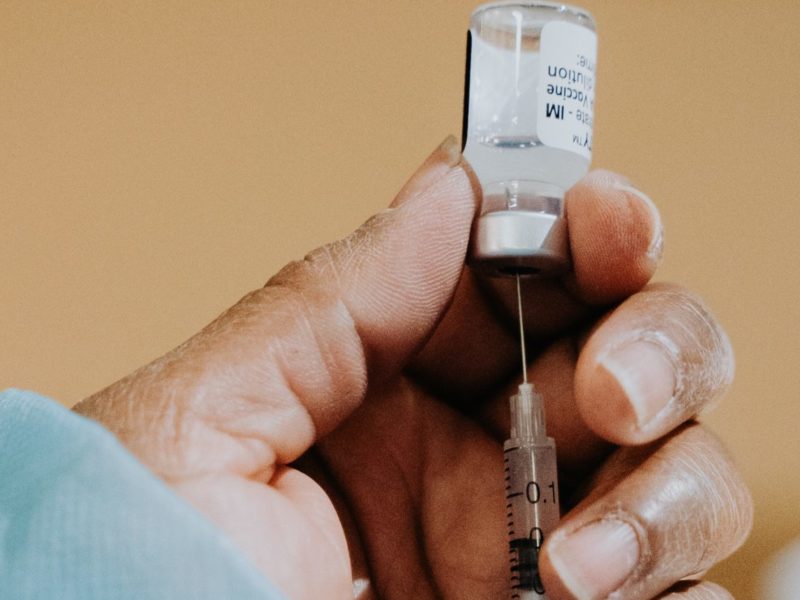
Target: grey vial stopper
x: 511, y: 242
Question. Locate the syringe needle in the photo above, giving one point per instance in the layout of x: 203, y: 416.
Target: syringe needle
x: 522, y: 333
x: 531, y: 482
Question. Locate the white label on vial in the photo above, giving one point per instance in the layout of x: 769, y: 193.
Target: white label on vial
x: 566, y: 87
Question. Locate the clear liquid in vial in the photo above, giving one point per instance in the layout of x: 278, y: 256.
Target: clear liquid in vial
x: 502, y: 142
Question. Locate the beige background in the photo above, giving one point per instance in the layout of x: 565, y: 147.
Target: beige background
x: 158, y: 159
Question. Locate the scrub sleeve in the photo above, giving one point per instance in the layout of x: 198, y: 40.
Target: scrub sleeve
x: 82, y: 519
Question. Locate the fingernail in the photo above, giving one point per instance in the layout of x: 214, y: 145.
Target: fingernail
x: 449, y: 150
x: 655, y: 248
x: 596, y: 559
x: 446, y: 156
x: 645, y: 375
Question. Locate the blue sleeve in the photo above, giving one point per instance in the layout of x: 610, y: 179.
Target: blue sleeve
x: 82, y: 519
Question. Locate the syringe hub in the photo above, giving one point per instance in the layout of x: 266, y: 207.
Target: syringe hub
x: 527, y: 414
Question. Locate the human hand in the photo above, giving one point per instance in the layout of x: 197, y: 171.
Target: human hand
x: 343, y: 424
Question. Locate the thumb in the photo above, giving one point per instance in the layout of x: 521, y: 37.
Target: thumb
x: 291, y: 360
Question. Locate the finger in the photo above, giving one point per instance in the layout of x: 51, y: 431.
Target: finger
x: 287, y: 514
x: 615, y: 236
x: 656, y: 514
x: 291, y: 360
x: 656, y: 361
x: 472, y: 349
x: 313, y: 465
x: 696, y: 590
x: 616, y: 239
x: 420, y: 479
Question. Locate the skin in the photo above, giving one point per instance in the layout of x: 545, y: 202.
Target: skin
x: 342, y: 425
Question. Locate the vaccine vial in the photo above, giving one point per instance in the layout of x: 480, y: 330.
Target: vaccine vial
x: 528, y: 111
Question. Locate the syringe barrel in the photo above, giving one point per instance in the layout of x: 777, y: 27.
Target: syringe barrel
x: 532, y: 510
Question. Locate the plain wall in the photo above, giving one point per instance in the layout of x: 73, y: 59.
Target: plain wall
x: 159, y: 159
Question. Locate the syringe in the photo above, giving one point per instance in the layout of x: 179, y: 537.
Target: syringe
x: 532, y: 507
x: 527, y: 142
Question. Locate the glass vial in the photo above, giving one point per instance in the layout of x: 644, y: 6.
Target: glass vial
x: 528, y: 110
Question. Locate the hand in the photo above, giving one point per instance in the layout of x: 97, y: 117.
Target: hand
x: 351, y: 411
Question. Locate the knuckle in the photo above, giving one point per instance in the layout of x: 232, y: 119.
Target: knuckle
x: 706, y: 354
x: 706, y: 500
x: 696, y: 590
x: 637, y: 198
x: 694, y: 319
x: 690, y: 504
x: 726, y: 513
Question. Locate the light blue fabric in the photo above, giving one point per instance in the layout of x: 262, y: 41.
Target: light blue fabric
x: 80, y: 518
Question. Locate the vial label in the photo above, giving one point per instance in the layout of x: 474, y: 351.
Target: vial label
x: 566, y: 87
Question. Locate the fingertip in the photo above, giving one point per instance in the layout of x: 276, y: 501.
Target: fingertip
x: 616, y: 237
x: 397, y: 273
x: 446, y: 160
x: 659, y: 359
